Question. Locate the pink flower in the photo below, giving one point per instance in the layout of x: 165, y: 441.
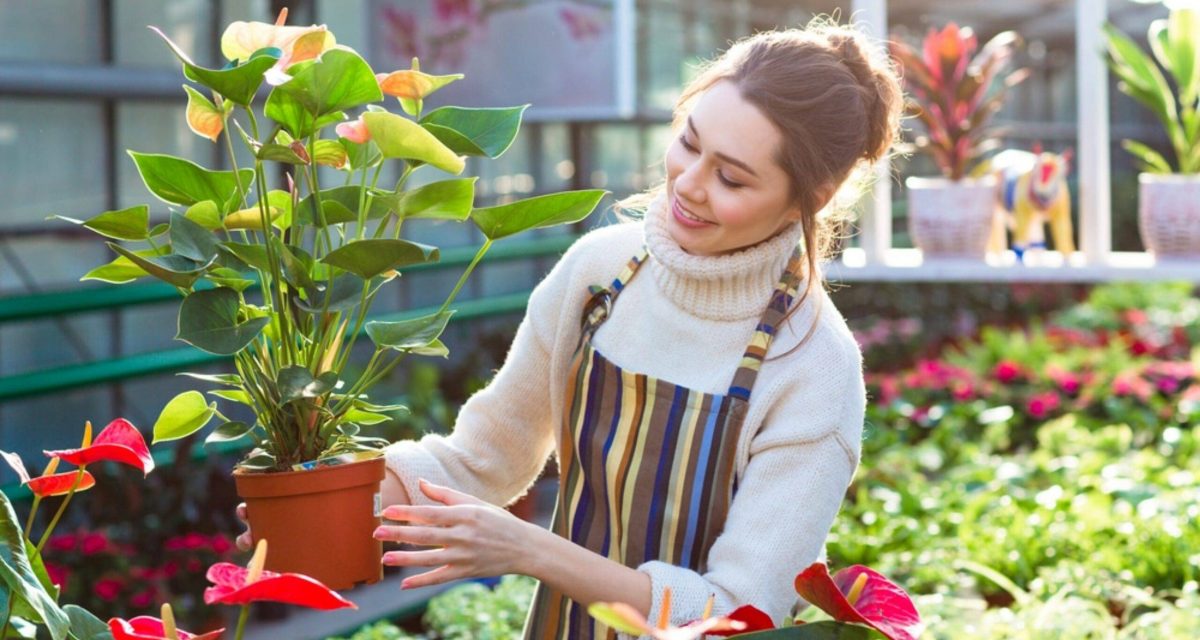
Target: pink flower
x: 962, y: 391
x: 1040, y: 405
x: 354, y: 131
x: 93, y: 543
x: 144, y: 599
x: 220, y: 544
x: 63, y: 543
x: 1167, y: 385
x: 861, y: 595
x: 1006, y: 371
x: 107, y: 589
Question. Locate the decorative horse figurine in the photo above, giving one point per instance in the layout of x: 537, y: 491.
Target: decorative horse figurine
x: 1031, y: 191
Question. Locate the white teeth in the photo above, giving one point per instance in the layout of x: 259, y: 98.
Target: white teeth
x: 690, y: 216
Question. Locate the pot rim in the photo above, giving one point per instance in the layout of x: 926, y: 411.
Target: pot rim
x: 1168, y: 178
x: 942, y: 182
x: 321, y: 479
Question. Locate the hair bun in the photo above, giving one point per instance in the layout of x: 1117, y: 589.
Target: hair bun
x: 881, y: 89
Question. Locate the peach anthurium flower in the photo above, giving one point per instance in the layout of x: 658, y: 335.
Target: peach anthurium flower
x: 296, y: 44
x: 861, y: 595
x: 49, y: 483
x: 204, y: 118
x: 243, y: 585
x: 148, y: 628
x: 120, y: 441
x: 626, y: 619
x: 412, y: 86
x: 354, y: 131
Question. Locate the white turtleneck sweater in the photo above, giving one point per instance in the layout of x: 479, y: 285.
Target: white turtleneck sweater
x: 685, y: 319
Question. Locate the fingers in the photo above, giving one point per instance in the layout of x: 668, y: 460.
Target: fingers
x: 423, y: 536
x: 241, y: 512
x: 445, y: 573
x: 427, y: 558
x: 446, y: 495
x: 244, y: 541
x: 421, y: 514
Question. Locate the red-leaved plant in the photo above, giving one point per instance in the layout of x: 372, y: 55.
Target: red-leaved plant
x: 952, y: 92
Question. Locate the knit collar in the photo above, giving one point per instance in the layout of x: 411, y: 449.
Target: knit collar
x: 735, y: 286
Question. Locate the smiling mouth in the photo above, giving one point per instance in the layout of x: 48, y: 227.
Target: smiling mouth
x: 685, y: 213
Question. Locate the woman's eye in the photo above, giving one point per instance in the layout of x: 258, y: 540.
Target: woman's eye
x: 727, y: 182
x: 686, y: 145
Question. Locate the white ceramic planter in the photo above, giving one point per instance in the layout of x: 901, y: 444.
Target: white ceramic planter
x: 1169, y: 215
x: 949, y: 219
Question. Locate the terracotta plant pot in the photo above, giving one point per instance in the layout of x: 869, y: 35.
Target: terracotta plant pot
x: 1169, y: 215
x: 949, y: 219
x: 318, y: 522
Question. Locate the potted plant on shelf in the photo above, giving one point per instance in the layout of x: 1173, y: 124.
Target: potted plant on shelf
x: 282, y: 279
x: 954, y: 93
x: 1168, y: 193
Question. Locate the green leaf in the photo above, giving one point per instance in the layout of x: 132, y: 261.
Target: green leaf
x: 480, y: 131
x: 86, y: 626
x: 206, y: 214
x: 239, y: 84
x: 192, y: 240
x: 228, y: 432
x: 358, y: 416
x: 296, y: 264
x: 297, y: 382
x: 183, y: 182
x: 252, y: 254
x: 445, y: 200
x: 19, y: 580
x: 1183, y: 46
x: 399, y: 137
x: 231, y: 278
x: 280, y: 153
x: 184, y: 415
x: 437, y: 349
x: 339, y: 80
x: 405, y: 335
x: 359, y: 156
x: 227, y: 379
x: 340, y: 204
x: 537, y: 212
x: 344, y: 293
x: 233, y: 395
x: 369, y: 258
x: 208, y: 320
x: 22, y: 629
x: 171, y: 268
x: 124, y: 224
x: 1134, y: 67
x: 122, y: 270
x: 1152, y: 161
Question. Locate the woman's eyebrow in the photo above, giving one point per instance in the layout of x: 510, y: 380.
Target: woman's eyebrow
x: 731, y: 160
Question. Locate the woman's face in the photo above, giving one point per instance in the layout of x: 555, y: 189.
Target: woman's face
x: 725, y: 190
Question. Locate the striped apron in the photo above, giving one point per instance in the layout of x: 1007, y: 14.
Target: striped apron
x: 646, y: 466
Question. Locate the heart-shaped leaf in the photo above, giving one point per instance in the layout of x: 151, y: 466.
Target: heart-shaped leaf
x: 228, y: 432
x: 360, y: 155
x: 444, y: 200
x: 208, y: 320
x: 340, y: 80
x: 184, y: 415
x: 406, y: 335
x: 369, y: 258
x: 205, y: 214
x: 171, y: 268
x: 340, y: 204
x: 178, y: 181
x: 358, y: 416
x: 297, y: 382
x: 537, y: 212
x: 481, y: 131
x: 343, y: 294
x: 124, y: 224
x: 239, y: 83
x: 122, y: 270
x: 399, y: 137
x: 192, y: 240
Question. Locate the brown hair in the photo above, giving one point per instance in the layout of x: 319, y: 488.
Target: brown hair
x: 836, y: 101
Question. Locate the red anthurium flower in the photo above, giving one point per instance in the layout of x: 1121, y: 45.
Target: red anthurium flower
x: 751, y: 618
x: 120, y: 442
x: 242, y: 585
x: 626, y: 619
x: 861, y: 595
x: 148, y: 628
x: 49, y: 483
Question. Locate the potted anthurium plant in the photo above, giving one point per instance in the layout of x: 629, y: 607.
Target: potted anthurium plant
x: 281, y: 280
x: 1168, y: 192
x: 954, y: 92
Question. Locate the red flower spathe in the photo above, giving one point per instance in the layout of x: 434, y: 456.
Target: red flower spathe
x: 148, y: 628
x: 120, y: 441
x: 881, y: 605
x: 60, y: 484
x: 229, y: 587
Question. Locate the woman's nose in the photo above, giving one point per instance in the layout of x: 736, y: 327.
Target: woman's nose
x: 688, y: 183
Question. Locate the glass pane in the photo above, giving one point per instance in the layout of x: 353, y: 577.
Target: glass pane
x: 51, y: 160
x: 661, y: 45
x: 26, y: 27
x: 185, y: 22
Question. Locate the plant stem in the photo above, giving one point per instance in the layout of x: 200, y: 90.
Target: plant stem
x: 61, y: 508
x: 233, y: 161
x: 241, y: 624
x: 487, y: 244
x: 37, y: 500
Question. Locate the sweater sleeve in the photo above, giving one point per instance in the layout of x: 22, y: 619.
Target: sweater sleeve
x: 503, y: 434
x: 801, y: 461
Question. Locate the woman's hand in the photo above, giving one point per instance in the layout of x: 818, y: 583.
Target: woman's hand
x: 243, y: 540
x: 471, y: 538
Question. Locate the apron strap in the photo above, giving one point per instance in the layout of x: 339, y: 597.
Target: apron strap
x: 601, y: 299
x: 764, y: 333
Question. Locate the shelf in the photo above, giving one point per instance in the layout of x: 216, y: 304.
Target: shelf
x: 907, y: 265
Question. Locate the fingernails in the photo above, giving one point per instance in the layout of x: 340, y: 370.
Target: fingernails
x: 405, y: 584
x: 379, y: 533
